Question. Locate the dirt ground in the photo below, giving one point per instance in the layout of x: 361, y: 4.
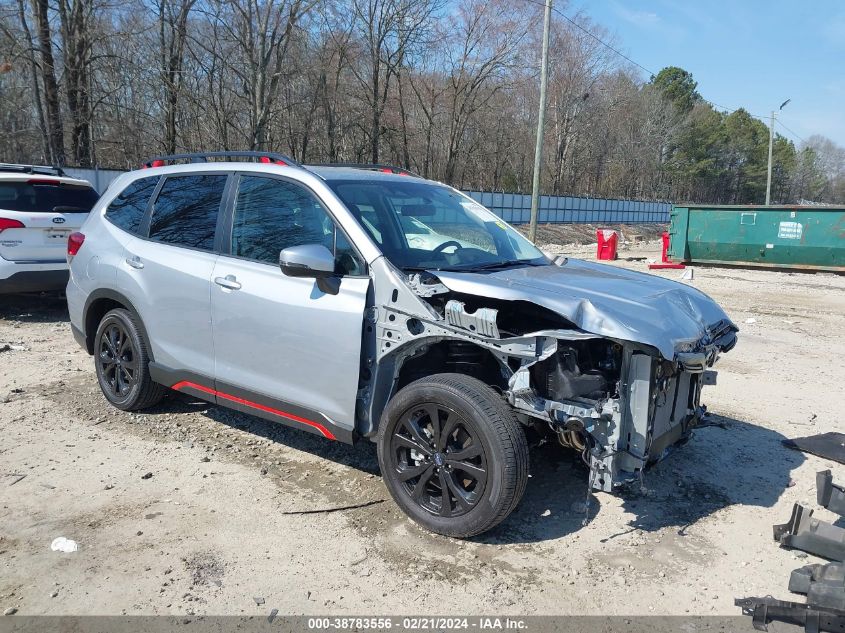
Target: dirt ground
x: 193, y: 509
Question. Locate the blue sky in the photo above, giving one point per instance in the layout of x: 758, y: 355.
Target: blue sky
x: 743, y: 53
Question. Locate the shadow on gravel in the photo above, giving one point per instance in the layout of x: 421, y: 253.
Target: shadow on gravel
x: 743, y: 464
x: 46, y: 308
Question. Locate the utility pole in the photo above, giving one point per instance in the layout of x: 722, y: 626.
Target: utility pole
x: 541, y: 119
x: 771, y: 143
x: 769, y: 176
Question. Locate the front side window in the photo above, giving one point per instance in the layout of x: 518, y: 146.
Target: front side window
x: 423, y: 225
x: 271, y: 215
x: 128, y: 209
x: 186, y: 209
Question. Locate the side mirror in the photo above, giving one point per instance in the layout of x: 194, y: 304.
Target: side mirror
x: 308, y: 260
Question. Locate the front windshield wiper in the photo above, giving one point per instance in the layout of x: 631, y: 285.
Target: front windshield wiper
x: 468, y: 268
x: 505, y: 264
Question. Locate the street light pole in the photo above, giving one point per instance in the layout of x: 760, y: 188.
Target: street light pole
x: 541, y: 119
x: 771, y: 143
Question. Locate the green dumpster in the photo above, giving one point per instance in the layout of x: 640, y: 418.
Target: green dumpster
x: 811, y: 238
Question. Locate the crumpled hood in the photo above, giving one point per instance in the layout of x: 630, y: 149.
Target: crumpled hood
x: 603, y: 300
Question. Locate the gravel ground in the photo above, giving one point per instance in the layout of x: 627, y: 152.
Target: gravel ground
x: 193, y: 509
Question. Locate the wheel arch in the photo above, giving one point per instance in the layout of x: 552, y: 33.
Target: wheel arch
x: 99, y: 303
x: 427, y: 356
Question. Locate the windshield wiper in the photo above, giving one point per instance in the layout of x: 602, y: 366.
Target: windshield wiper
x: 505, y: 264
x: 468, y: 268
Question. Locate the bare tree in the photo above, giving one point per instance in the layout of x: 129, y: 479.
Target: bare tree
x: 55, y: 128
x: 486, y: 40
x: 386, y: 31
x: 259, y: 35
x: 76, y: 17
x: 172, y: 18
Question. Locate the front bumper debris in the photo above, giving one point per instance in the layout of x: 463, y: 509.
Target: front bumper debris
x: 811, y: 535
x: 812, y: 618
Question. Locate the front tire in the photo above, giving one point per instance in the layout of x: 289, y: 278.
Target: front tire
x: 452, y: 454
x: 122, y: 363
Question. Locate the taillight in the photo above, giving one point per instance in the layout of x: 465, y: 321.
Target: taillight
x: 74, y: 243
x: 6, y: 223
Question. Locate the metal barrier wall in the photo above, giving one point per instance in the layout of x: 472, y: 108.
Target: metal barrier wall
x: 100, y: 179
x: 516, y: 209
x: 511, y: 207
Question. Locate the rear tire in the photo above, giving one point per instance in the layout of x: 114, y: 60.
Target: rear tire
x: 452, y: 454
x: 122, y: 363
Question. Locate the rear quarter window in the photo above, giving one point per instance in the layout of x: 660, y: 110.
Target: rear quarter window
x: 128, y: 209
x: 46, y: 196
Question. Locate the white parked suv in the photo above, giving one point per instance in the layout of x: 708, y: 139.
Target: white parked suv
x: 39, y: 209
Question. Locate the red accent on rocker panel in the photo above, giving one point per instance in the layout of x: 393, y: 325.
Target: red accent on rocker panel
x: 290, y: 416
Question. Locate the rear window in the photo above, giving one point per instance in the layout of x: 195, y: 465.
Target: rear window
x: 46, y: 196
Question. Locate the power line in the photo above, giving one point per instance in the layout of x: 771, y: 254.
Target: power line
x: 591, y: 34
x: 641, y: 67
x: 795, y: 134
x: 651, y: 72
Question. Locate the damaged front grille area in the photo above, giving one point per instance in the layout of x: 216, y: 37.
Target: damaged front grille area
x: 623, y: 407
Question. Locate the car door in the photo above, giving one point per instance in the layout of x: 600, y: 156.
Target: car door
x: 166, y: 273
x: 284, y: 348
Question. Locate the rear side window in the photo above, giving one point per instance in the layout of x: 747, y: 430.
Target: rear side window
x: 38, y: 195
x: 127, y: 210
x: 185, y: 211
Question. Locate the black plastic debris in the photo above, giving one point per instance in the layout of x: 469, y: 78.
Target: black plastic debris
x: 828, y: 494
x: 828, y: 445
x: 823, y: 584
x: 811, y: 535
x: 811, y: 617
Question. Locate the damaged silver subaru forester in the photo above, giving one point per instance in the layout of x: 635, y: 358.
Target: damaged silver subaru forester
x: 364, y: 302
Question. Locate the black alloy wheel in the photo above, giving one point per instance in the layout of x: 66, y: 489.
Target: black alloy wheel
x: 117, y: 359
x: 452, y: 454
x: 440, y: 459
x: 121, y: 359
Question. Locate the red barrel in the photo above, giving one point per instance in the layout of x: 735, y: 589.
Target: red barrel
x: 608, y: 240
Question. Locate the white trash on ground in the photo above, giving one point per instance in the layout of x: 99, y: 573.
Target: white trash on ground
x: 62, y: 544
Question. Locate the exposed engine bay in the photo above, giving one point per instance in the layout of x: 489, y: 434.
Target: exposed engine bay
x: 620, y: 403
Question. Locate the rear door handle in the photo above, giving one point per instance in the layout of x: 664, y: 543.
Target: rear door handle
x: 229, y: 281
x: 135, y: 262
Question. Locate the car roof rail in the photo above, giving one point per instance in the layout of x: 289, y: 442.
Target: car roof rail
x: 32, y: 169
x: 387, y: 169
x: 205, y: 157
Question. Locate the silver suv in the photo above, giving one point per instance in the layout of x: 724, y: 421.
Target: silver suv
x: 365, y: 302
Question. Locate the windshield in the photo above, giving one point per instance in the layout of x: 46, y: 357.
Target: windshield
x: 423, y: 225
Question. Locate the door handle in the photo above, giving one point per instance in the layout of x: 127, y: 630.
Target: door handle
x: 229, y: 281
x: 135, y: 262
